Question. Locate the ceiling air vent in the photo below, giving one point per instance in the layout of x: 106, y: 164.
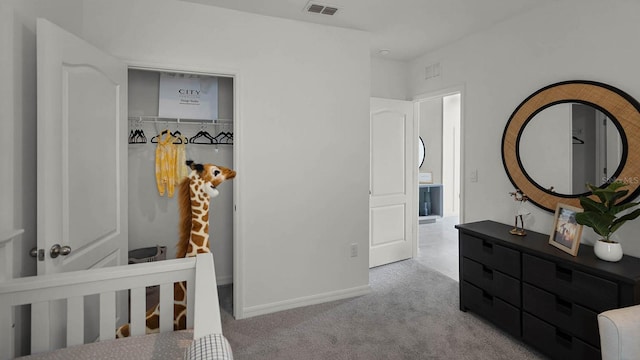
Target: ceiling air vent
x: 321, y: 9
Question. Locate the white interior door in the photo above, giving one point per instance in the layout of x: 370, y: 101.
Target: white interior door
x: 82, y: 157
x: 393, y: 182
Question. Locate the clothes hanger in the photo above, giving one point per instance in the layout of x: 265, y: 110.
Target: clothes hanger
x: 140, y: 138
x: 132, y: 136
x: 220, y: 137
x: 577, y: 141
x: 136, y: 135
x: 155, y: 138
x: 203, y: 137
x: 178, y: 137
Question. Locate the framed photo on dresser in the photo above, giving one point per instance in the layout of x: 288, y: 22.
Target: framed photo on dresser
x: 566, y: 231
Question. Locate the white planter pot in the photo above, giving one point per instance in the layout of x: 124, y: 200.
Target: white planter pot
x: 608, y: 251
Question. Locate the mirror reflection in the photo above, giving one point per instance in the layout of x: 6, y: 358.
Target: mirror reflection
x: 567, y: 145
x: 421, y: 152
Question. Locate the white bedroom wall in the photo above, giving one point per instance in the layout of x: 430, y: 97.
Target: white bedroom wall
x: 500, y: 67
x: 304, y: 141
x: 431, y: 132
x: 389, y: 79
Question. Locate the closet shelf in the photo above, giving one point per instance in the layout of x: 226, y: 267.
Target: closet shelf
x: 158, y: 119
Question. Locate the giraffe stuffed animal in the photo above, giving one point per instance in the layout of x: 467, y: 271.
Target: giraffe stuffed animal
x: 195, y: 193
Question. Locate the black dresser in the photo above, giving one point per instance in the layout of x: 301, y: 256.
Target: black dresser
x: 538, y: 293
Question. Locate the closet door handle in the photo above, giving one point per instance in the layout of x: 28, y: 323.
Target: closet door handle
x: 57, y: 250
x: 37, y: 253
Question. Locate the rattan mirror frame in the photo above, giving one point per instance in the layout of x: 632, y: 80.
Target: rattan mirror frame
x: 621, y: 108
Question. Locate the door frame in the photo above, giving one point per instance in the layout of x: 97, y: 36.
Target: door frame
x: 455, y: 89
x: 238, y: 244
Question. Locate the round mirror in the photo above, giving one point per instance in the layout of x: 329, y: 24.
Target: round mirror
x: 421, y: 152
x: 567, y: 145
x: 537, y: 138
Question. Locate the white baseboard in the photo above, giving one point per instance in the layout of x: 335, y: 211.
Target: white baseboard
x: 304, y: 301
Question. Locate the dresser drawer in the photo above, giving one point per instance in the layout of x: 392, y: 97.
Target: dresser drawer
x: 495, y: 256
x: 554, y: 342
x: 577, y: 320
x: 591, y: 291
x: 492, y: 308
x: 492, y: 281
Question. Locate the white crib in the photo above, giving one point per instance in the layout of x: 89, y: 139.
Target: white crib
x: 203, y: 312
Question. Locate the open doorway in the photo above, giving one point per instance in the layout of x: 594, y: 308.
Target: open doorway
x: 440, y: 180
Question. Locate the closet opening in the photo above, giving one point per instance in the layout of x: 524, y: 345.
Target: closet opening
x: 198, y: 109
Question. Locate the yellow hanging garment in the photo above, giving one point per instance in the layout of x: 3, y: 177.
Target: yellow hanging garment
x: 181, y: 159
x: 166, y: 163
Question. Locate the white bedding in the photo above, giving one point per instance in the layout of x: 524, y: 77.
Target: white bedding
x: 163, y: 346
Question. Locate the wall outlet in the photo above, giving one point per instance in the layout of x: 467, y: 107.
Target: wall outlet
x: 354, y: 250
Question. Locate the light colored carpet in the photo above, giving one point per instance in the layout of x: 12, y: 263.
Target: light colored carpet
x: 438, y: 246
x: 412, y: 313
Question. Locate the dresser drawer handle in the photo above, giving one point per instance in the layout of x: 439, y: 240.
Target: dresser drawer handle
x: 563, y: 339
x: 488, y: 298
x: 564, y: 306
x: 564, y: 273
x: 487, y: 246
x: 487, y: 273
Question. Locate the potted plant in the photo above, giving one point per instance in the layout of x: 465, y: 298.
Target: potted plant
x: 602, y: 217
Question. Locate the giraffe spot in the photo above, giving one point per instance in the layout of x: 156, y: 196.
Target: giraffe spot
x: 180, y: 322
x: 123, y: 331
x: 204, y: 248
x: 196, y: 226
x: 153, y: 322
x: 196, y: 239
x: 179, y: 291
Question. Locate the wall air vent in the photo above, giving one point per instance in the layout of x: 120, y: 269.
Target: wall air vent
x: 316, y: 8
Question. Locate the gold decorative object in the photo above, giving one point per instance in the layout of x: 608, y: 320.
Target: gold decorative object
x: 521, y: 212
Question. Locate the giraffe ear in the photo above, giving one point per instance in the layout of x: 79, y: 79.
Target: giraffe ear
x: 193, y: 166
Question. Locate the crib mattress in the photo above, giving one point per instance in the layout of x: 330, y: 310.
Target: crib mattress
x: 167, y: 345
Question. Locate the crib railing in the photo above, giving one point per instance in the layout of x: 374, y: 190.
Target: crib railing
x: 73, y: 288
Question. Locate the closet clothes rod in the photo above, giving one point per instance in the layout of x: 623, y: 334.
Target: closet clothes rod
x: 158, y: 119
